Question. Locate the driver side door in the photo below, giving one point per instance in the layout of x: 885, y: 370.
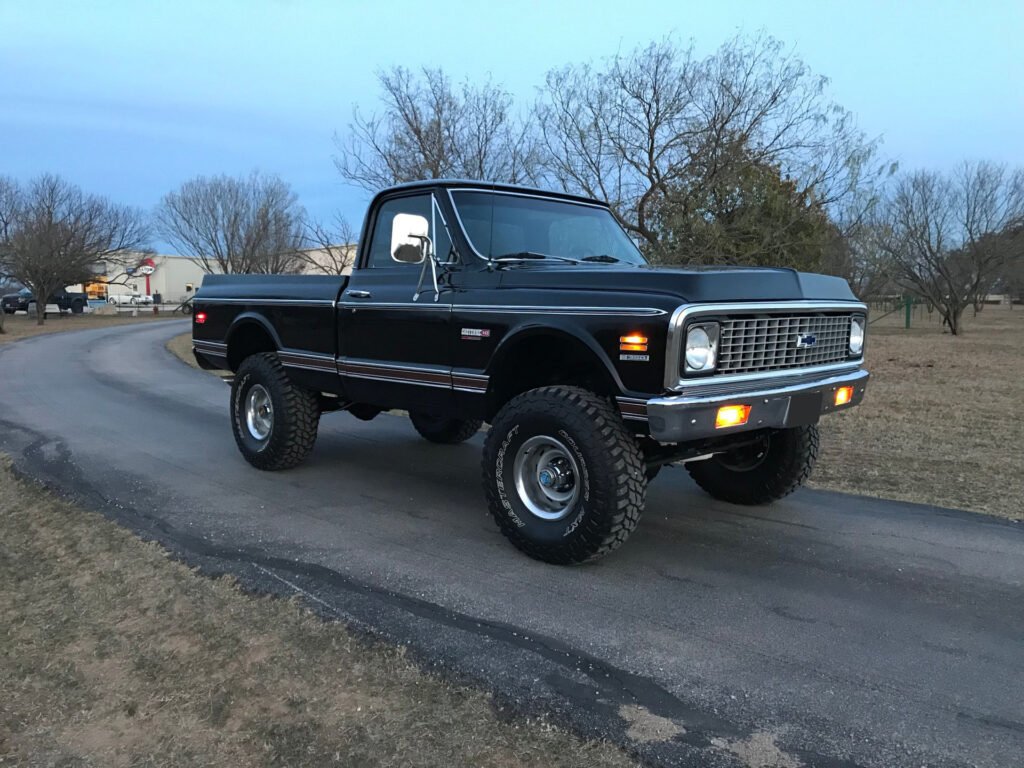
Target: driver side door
x: 394, y: 349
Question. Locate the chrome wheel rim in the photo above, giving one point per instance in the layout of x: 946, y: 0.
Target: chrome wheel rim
x: 546, y: 477
x: 259, y: 412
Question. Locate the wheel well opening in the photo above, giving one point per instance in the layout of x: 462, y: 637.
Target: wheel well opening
x: 545, y: 360
x: 248, y: 339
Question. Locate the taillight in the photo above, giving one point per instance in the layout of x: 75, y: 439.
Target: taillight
x: 200, y: 318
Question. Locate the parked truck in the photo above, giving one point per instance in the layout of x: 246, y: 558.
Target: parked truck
x: 23, y: 300
x: 534, y: 312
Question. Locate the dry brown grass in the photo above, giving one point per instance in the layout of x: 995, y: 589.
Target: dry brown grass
x: 941, y: 422
x: 23, y: 326
x: 112, y: 654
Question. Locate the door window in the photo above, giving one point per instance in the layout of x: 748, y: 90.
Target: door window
x: 421, y: 205
x: 380, y: 243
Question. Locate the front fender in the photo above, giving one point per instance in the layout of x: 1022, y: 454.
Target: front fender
x: 557, y: 328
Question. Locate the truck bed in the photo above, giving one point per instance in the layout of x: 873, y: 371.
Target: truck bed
x: 292, y: 314
x: 273, y: 288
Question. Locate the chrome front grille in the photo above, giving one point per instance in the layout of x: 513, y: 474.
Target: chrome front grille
x: 776, y: 342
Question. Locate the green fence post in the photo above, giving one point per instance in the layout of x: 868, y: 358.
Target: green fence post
x: 909, y: 307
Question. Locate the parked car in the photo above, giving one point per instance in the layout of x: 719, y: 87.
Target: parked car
x: 66, y: 301
x: 535, y: 312
x: 128, y: 299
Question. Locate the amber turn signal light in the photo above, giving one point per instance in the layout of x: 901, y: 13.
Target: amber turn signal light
x: 844, y: 395
x: 732, y: 416
x: 634, y: 342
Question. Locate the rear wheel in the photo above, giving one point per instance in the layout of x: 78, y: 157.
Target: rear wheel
x: 273, y: 420
x: 77, y: 307
x: 438, y: 429
x: 564, y: 478
x: 762, y: 472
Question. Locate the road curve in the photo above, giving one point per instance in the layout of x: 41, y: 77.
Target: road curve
x: 826, y: 630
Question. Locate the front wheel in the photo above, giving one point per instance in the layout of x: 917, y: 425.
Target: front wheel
x: 564, y: 478
x: 273, y: 420
x: 438, y: 429
x: 773, y: 466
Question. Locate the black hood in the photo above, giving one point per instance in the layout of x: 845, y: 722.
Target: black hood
x: 690, y: 284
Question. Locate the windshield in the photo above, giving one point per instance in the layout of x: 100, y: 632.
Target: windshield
x: 512, y: 225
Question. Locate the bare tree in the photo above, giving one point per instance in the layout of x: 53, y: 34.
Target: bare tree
x: 430, y: 129
x: 54, y: 234
x: 235, y: 225
x: 9, y: 194
x: 331, y: 249
x: 941, y: 233
x: 859, y: 257
x: 648, y: 125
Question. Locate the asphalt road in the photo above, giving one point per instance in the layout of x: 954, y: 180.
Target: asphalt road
x: 826, y: 630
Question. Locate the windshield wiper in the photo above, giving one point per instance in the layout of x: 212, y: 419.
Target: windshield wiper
x: 530, y: 255
x: 604, y: 258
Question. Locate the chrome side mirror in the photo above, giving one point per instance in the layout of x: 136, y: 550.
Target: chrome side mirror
x: 410, y: 238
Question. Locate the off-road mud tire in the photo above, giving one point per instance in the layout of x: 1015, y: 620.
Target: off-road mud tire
x: 444, y: 431
x: 787, y: 463
x: 296, y: 415
x: 613, y: 482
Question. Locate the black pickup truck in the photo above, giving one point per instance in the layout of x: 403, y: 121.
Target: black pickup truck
x: 535, y: 313
x: 66, y: 301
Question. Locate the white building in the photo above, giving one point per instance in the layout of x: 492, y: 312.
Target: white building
x: 176, y: 278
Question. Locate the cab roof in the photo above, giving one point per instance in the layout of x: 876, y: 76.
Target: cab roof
x: 486, y: 186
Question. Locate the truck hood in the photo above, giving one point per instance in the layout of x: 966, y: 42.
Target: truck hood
x: 689, y: 284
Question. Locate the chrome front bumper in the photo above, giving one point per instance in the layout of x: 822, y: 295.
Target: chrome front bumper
x: 686, y: 417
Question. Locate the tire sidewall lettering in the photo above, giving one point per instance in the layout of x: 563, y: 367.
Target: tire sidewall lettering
x: 499, y: 474
x: 584, y: 481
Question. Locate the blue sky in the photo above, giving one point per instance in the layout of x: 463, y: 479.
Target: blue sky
x: 129, y: 99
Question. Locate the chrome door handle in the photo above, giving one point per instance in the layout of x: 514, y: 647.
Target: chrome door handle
x: 358, y: 294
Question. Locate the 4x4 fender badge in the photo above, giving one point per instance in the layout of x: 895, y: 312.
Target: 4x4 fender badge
x: 475, y: 334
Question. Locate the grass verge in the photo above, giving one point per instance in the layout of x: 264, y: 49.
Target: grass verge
x: 22, y: 326
x: 940, y: 422
x: 114, y: 654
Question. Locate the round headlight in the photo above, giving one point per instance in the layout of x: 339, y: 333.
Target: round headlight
x: 857, y: 335
x: 698, y: 350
